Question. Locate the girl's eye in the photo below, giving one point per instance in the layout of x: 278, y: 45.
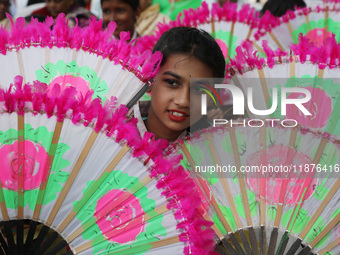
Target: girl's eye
x: 171, y: 82
x: 120, y: 10
x: 106, y: 11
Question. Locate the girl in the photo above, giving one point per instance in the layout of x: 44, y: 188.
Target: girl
x: 188, y: 53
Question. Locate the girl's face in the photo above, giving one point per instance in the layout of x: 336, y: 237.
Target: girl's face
x: 121, y: 13
x: 170, y: 107
x: 58, y: 6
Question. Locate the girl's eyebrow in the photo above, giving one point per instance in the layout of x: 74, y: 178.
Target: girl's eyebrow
x: 173, y: 74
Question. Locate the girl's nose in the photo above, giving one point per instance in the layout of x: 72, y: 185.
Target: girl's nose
x: 182, y: 98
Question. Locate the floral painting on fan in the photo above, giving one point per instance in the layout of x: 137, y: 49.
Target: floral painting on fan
x: 70, y: 74
x: 317, y: 24
x: 35, y: 164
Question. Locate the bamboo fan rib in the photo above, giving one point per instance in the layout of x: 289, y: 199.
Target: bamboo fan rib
x: 316, y: 23
x: 89, y: 59
x: 228, y: 25
x: 85, y: 185
x: 320, y: 80
x: 292, y: 212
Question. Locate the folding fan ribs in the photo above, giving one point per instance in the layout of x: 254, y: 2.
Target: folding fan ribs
x: 267, y: 212
x: 226, y: 24
x: 89, y: 58
x: 78, y: 170
x: 317, y: 23
x: 311, y: 68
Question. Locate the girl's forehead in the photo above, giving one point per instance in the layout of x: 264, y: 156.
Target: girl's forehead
x: 188, y: 66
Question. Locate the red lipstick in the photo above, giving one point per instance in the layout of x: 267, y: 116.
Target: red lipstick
x: 180, y: 116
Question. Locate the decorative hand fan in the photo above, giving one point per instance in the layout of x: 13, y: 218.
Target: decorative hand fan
x: 227, y: 25
x: 313, y: 3
x: 81, y: 171
x: 267, y: 189
x: 315, y: 69
x: 317, y: 24
x: 172, y: 8
x: 89, y: 57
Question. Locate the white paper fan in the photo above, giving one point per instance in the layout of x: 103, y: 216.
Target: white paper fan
x: 314, y: 69
x: 81, y: 173
x: 228, y: 25
x: 317, y: 23
x: 272, y: 214
x: 91, y: 58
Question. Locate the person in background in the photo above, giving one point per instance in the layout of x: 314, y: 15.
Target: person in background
x: 149, y: 18
x: 4, y: 7
x: 87, y: 4
x: 73, y: 10
x: 279, y: 7
x: 187, y: 53
x: 124, y: 13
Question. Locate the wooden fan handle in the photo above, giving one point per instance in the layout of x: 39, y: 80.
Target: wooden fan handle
x: 220, y: 250
x: 263, y: 240
x: 229, y: 247
x: 295, y: 246
x: 253, y: 241
x: 236, y: 243
x: 283, y: 243
x: 245, y: 243
x: 273, y: 240
x: 3, y: 244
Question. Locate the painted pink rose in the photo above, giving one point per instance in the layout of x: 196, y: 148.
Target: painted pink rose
x: 268, y: 185
x: 125, y: 222
x: 82, y: 85
x: 318, y: 35
x: 223, y: 47
x: 31, y: 167
x: 320, y: 106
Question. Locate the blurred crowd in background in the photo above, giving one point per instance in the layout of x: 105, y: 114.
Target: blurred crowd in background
x: 138, y: 17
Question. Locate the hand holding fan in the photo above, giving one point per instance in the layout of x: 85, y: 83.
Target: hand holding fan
x: 258, y: 211
x: 81, y: 169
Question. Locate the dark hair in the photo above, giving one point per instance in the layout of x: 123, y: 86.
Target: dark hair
x: 193, y: 42
x: 280, y: 7
x: 133, y: 3
x: 30, y: 2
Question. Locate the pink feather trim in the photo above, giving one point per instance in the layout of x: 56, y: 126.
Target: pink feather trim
x: 90, y: 39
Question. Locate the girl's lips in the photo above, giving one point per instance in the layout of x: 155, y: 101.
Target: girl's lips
x: 177, y: 116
